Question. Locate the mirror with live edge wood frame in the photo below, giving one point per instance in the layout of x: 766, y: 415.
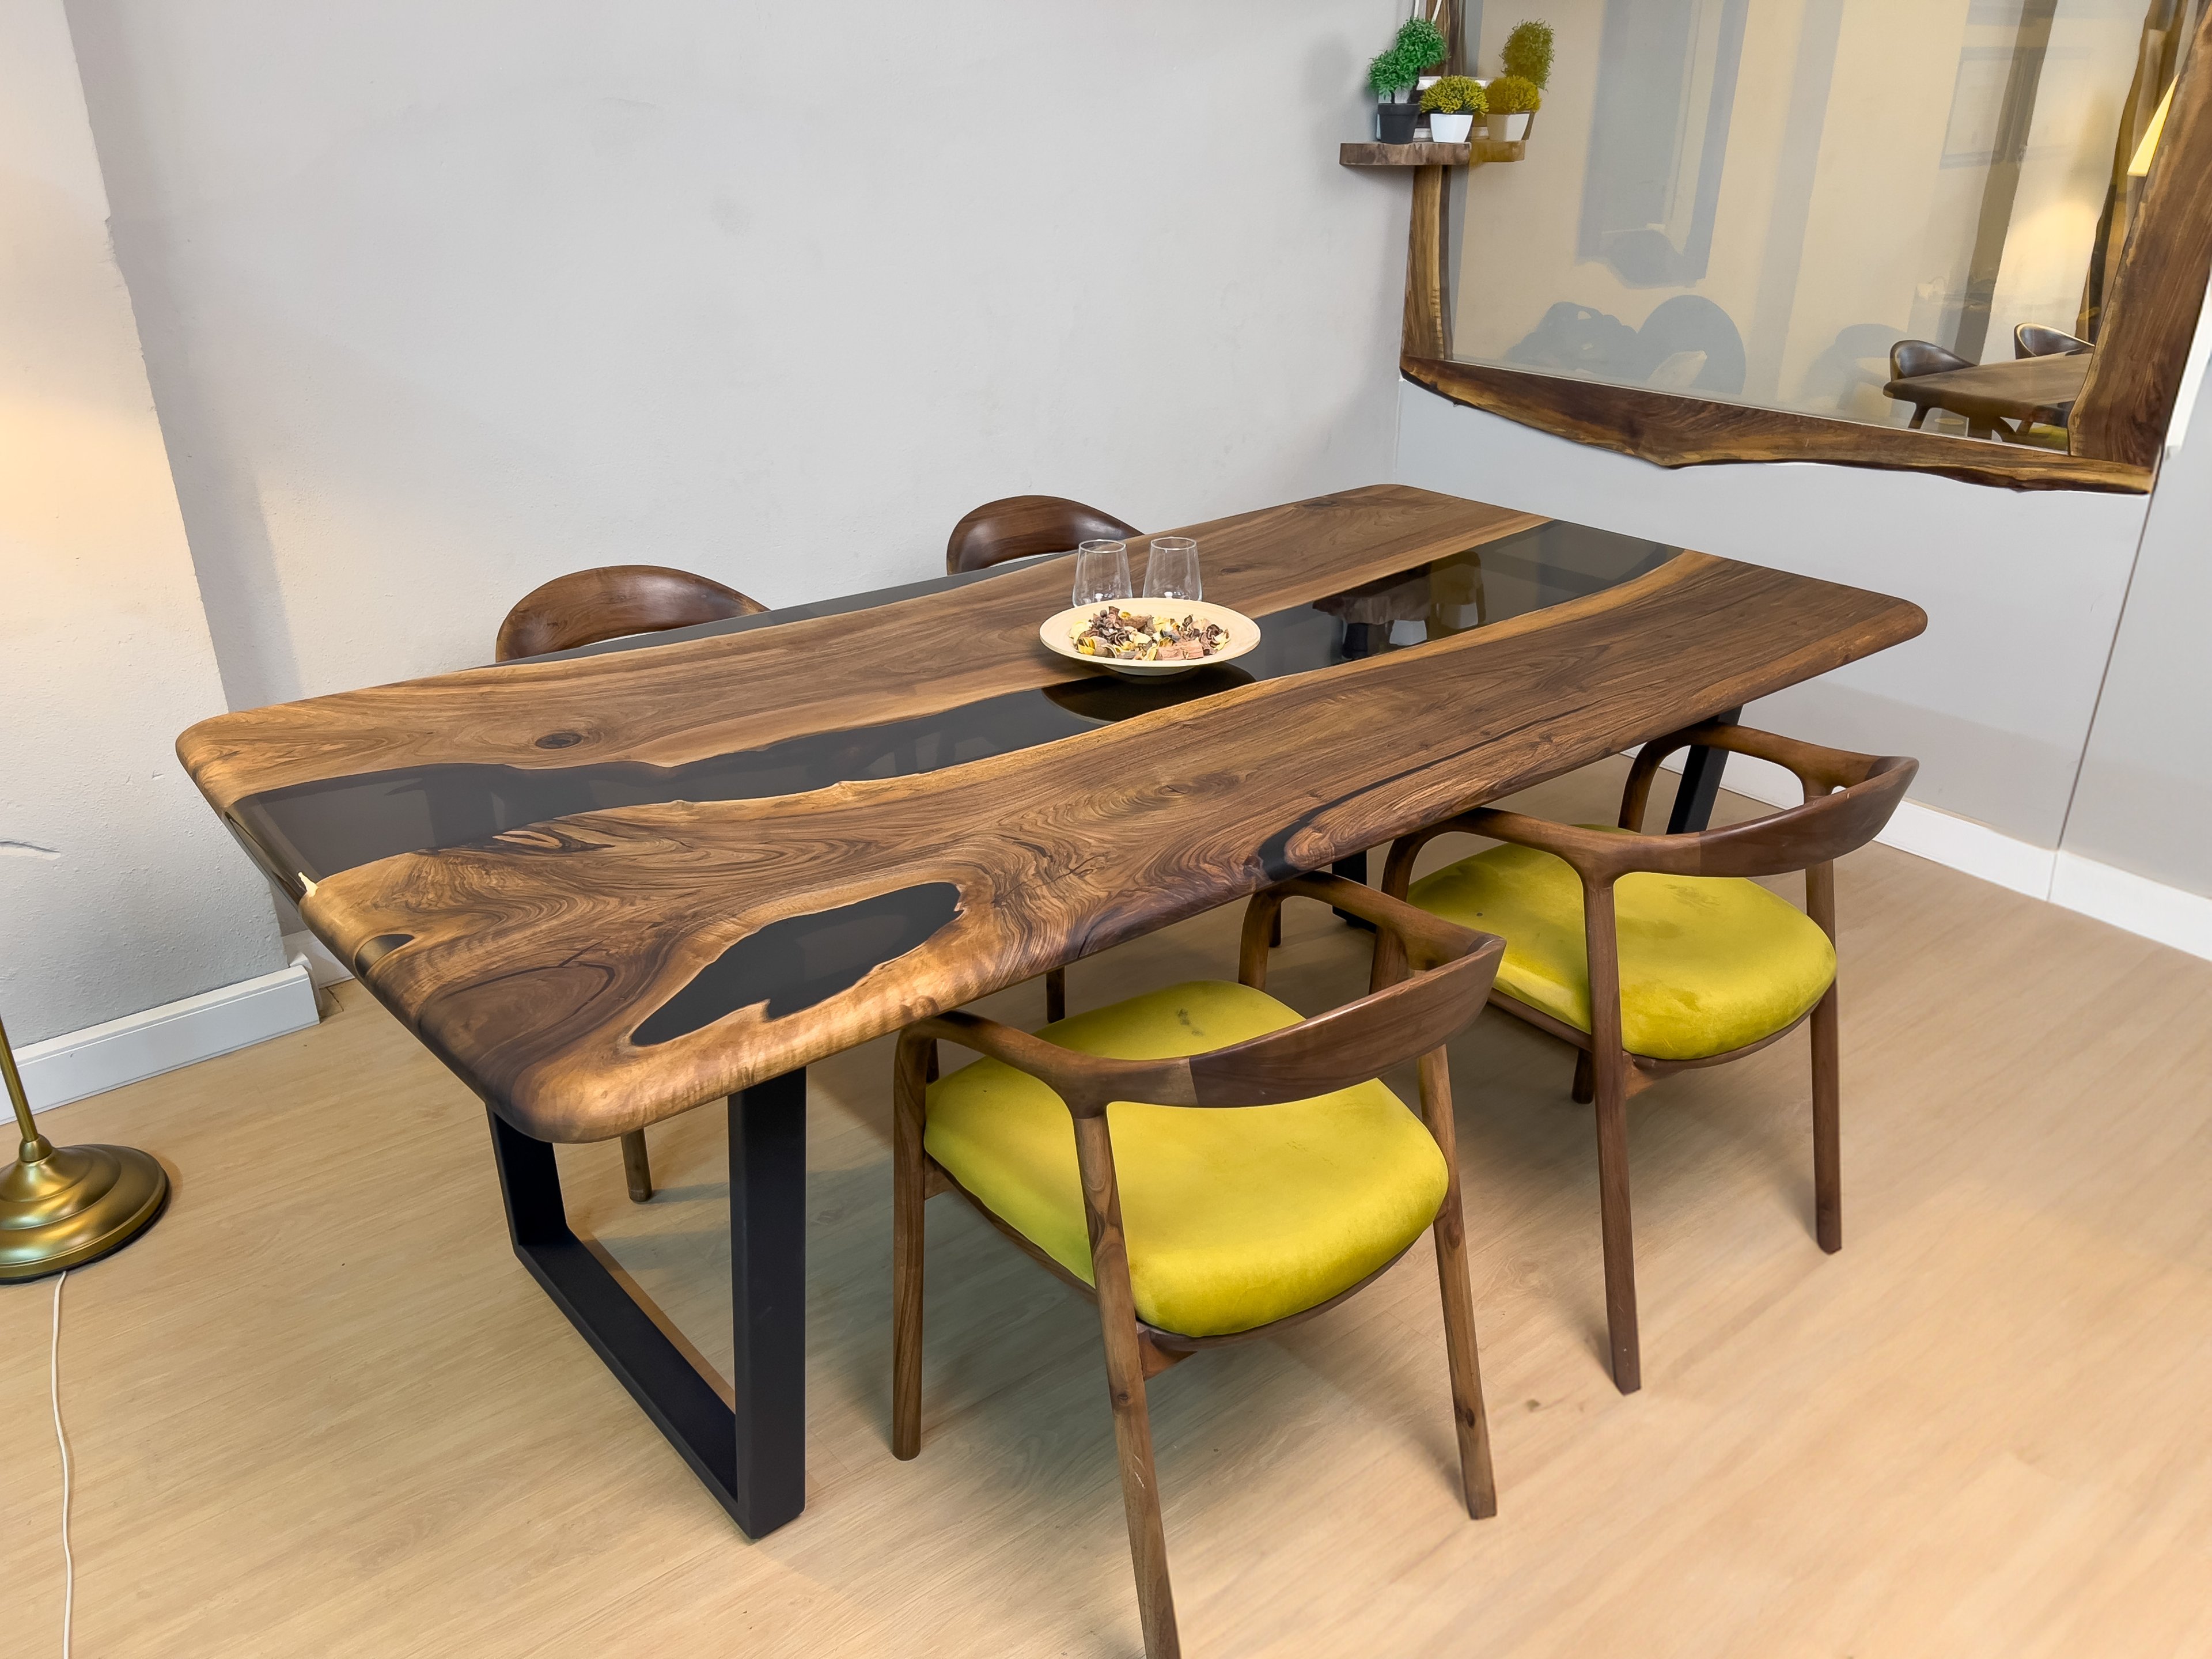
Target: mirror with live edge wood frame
x: 1784, y: 974
x: 1732, y: 213
x: 1312, y: 1064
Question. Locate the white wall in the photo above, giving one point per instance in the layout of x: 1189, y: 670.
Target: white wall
x: 2023, y: 590
x: 441, y: 300
x: 2145, y: 799
x: 118, y: 890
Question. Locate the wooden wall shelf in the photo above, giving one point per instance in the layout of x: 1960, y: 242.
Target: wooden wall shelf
x: 1474, y: 152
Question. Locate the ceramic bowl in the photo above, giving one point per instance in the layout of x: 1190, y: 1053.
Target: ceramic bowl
x: 1058, y: 632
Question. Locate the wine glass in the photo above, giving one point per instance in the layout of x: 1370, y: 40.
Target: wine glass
x: 1102, y: 572
x: 1171, y: 572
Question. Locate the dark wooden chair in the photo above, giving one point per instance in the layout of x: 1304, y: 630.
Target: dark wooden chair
x: 1655, y: 954
x: 1015, y: 528
x: 1238, y: 1222
x: 1022, y: 524
x: 2034, y: 340
x: 586, y: 607
x: 1908, y: 360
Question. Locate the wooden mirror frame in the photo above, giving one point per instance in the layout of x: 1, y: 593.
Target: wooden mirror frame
x: 2116, y: 432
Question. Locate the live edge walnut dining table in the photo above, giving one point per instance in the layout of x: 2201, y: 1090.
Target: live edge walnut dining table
x: 611, y: 885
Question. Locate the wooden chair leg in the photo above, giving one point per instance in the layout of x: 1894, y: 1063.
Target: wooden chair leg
x: 1827, y: 1082
x: 1585, y: 1078
x: 637, y: 1166
x: 1275, y: 930
x: 1055, y: 994
x: 1612, y: 1218
x: 1478, y: 1484
x: 910, y: 1192
x: 1125, y: 1384
x: 1828, y: 1136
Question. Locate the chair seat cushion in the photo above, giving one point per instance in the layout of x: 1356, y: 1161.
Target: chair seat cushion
x: 1707, y: 964
x: 1234, y: 1217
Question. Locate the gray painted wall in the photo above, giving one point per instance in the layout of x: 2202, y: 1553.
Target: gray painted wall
x: 442, y: 300
x: 118, y: 890
x: 2145, y: 800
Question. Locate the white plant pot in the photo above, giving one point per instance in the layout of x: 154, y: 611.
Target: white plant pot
x: 1512, y: 128
x: 1450, y: 129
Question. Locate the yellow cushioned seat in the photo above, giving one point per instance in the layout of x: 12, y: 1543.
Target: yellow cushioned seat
x: 1234, y: 1217
x: 1707, y: 964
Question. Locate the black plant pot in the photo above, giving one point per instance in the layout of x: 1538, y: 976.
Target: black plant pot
x: 1396, y: 122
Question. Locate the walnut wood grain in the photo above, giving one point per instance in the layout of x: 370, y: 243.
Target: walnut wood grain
x: 1670, y: 429
x: 527, y: 960
x: 2154, y: 301
x: 691, y: 699
x: 1427, y: 334
x: 1427, y: 154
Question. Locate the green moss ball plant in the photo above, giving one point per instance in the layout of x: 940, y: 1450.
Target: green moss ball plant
x: 1527, y: 54
x: 1513, y: 94
x: 1455, y: 95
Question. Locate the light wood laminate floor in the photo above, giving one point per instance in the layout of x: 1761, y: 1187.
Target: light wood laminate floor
x: 321, y: 1409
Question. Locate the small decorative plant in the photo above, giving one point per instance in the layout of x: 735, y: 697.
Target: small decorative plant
x: 1455, y: 95
x: 1513, y: 94
x: 1419, y: 44
x: 1527, y: 54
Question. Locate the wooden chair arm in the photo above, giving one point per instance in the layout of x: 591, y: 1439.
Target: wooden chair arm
x: 1819, y: 769
x: 1085, y: 1083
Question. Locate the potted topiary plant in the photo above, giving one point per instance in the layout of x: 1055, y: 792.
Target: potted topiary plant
x: 1392, y: 74
x: 1527, y: 57
x: 1452, y: 104
x: 1512, y: 99
x: 1528, y: 53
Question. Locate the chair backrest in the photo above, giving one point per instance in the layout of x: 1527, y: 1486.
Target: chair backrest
x: 1022, y: 524
x: 2034, y: 340
x: 1909, y: 359
x: 1848, y: 799
x: 1349, y: 1045
x: 586, y: 607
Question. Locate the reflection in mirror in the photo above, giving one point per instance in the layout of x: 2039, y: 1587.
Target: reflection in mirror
x: 1899, y: 212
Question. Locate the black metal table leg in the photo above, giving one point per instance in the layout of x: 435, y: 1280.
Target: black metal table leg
x: 754, y: 1459
x: 1353, y: 868
x: 1701, y: 784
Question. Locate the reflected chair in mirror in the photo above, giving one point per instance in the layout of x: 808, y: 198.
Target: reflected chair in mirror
x: 1912, y: 360
x: 1017, y: 527
x: 1190, y: 1227
x: 2034, y: 340
x: 586, y: 607
x: 1657, y: 954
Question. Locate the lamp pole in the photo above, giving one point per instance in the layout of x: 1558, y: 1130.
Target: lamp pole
x: 61, y: 1207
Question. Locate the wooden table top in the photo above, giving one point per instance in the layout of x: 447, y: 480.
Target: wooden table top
x: 2016, y: 389
x: 609, y: 887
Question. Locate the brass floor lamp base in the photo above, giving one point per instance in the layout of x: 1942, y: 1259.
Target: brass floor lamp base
x: 61, y: 1207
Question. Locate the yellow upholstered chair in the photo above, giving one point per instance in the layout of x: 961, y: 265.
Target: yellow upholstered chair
x: 1087, y: 1144
x: 1652, y: 954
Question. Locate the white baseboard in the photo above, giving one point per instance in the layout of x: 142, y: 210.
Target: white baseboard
x: 2135, y: 902
x: 322, y: 967
x: 157, y: 1040
x: 2169, y: 914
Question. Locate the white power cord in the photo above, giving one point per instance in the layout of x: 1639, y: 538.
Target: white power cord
x: 54, y: 1381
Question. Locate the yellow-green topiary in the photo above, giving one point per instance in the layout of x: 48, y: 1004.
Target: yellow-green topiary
x: 1511, y: 94
x: 1455, y: 95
